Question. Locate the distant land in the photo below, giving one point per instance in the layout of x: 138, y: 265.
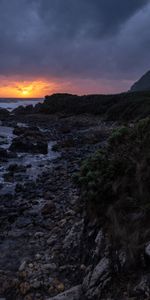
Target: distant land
x: 143, y: 84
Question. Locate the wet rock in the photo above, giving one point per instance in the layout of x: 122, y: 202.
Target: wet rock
x: 3, y: 155
x: 72, y: 294
x: 48, y: 208
x: 26, y: 130
x: 14, y: 168
x: 27, y: 145
x: 3, y: 113
x: 23, y: 110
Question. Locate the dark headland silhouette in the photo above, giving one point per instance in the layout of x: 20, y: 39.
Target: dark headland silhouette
x: 143, y: 84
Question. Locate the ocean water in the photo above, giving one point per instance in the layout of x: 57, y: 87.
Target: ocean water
x: 11, y: 103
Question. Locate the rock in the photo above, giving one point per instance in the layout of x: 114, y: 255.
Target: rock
x: 73, y: 238
x: 147, y: 250
x: 3, y: 154
x: 143, y: 84
x: 26, y: 130
x: 99, y: 242
x: 100, y: 271
x: 39, y: 234
x: 14, y: 168
x: 51, y: 266
x: 23, y: 110
x: 48, y: 208
x: 38, y: 256
x: 52, y: 240
x: 96, y: 280
x: 60, y: 287
x: 72, y: 294
x: 23, y: 222
x: 143, y: 288
x: 25, y: 144
x: 24, y: 288
x: 4, y: 113
x: 36, y: 284
x: 22, y: 266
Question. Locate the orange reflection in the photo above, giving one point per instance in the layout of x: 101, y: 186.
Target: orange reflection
x: 25, y: 89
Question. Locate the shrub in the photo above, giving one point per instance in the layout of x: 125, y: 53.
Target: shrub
x: 115, y: 185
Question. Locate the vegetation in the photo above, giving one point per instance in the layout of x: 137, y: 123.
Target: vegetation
x: 115, y: 184
x: 123, y: 107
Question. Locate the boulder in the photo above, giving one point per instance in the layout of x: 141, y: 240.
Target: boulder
x: 27, y: 145
x: 32, y: 131
x: 97, y: 279
x: 74, y: 293
x: 4, y: 112
x: 23, y: 110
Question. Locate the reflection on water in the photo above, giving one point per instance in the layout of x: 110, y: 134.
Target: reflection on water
x: 37, y: 162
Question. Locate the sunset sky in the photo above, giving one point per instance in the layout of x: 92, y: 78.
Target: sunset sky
x: 76, y: 46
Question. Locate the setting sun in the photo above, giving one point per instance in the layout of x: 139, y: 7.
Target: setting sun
x: 25, y: 89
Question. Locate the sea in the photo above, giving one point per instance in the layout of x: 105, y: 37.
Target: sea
x: 12, y: 103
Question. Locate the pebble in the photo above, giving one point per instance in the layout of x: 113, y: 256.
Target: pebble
x: 22, y: 266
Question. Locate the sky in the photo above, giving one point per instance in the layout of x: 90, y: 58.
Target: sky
x: 75, y: 46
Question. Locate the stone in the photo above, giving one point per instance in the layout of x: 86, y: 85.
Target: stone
x: 72, y: 294
x: 143, y: 288
x: 147, y: 250
x: 73, y: 238
x: 51, y: 266
x: 38, y: 256
x: 22, y: 266
x: 52, y: 240
x: 96, y: 280
x: 100, y: 271
x: 39, y: 234
x: 25, y: 144
x: 24, y: 287
x: 48, y: 208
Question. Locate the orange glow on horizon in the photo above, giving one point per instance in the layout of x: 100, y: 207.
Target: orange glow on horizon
x: 25, y: 89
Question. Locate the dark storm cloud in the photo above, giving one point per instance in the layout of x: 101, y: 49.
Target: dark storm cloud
x: 74, y: 38
x: 71, y: 18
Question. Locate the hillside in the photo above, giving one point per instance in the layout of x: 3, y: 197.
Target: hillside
x: 143, y: 84
x: 121, y: 107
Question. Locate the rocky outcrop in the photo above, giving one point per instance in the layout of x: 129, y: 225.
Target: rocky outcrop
x: 23, y: 110
x: 27, y: 145
x: 143, y: 84
x: 74, y: 293
x: 30, y: 140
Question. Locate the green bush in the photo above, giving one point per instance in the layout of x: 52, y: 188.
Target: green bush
x: 115, y: 185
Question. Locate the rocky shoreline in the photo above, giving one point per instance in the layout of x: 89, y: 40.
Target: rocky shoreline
x: 42, y: 220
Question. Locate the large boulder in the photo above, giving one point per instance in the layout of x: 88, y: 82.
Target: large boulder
x: 28, y: 131
x: 25, y: 144
x: 23, y: 110
x: 3, y: 113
